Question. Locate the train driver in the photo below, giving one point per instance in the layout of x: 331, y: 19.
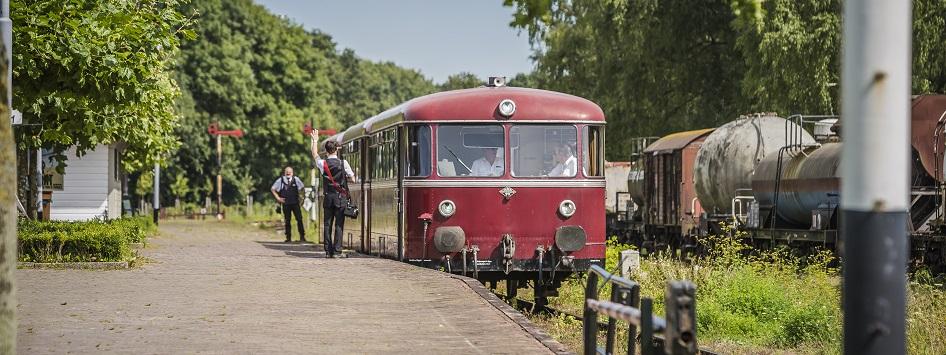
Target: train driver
x: 566, y: 163
x: 489, y: 165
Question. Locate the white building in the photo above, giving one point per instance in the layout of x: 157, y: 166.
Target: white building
x: 90, y: 187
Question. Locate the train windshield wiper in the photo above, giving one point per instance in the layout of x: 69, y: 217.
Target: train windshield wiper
x: 458, y: 158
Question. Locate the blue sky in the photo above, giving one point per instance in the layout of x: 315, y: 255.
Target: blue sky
x: 439, y: 38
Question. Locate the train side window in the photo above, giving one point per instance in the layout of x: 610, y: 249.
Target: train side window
x: 418, y: 159
x: 592, y: 151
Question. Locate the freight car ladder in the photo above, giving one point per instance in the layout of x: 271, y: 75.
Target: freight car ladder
x: 794, y: 143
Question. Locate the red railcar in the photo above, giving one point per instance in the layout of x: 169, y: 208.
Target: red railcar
x: 498, y: 183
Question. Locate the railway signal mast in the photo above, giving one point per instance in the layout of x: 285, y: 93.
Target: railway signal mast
x: 875, y: 170
x: 214, y: 130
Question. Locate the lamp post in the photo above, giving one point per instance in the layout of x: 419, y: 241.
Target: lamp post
x: 214, y: 130
x: 875, y: 170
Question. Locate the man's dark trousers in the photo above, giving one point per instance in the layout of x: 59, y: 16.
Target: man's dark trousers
x: 288, y: 210
x: 336, y: 215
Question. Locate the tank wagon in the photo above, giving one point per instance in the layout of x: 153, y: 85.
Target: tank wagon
x: 778, y: 180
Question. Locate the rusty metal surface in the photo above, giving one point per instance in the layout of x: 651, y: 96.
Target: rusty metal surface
x: 810, y: 180
x: 729, y: 155
x: 676, y: 141
x: 928, y: 136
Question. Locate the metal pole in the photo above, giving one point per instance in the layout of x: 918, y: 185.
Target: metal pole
x: 157, y: 192
x: 875, y: 168
x: 39, y: 183
x: 8, y: 194
x: 219, y: 177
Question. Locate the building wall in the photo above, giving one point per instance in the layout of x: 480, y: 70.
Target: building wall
x: 90, y: 189
x: 615, y: 176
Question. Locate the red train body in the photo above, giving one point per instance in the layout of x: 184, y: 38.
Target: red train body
x: 431, y: 196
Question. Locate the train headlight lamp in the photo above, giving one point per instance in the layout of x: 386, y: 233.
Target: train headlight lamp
x: 447, y: 208
x: 507, y: 107
x: 567, y: 208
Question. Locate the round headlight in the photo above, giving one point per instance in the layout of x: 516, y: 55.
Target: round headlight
x: 567, y: 208
x: 447, y: 208
x: 507, y: 107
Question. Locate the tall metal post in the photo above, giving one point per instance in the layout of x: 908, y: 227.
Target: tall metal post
x: 38, y: 180
x: 219, y: 177
x: 875, y: 168
x: 7, y: 189
x: 157, y: 192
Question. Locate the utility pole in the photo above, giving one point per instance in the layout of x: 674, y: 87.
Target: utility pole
x: 214, y: 129
x: 875, y: 170
x: 7, y: 189
x: 157, y: 192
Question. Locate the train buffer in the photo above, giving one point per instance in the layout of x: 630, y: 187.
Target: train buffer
x: 229, y: 288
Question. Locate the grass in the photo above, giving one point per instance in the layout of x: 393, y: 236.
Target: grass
x: 750, y: 303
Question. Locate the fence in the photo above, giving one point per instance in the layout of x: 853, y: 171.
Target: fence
x: 625, y: 304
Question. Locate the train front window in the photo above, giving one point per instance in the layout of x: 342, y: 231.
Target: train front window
x: 470, y: 150
x: 544, y: 150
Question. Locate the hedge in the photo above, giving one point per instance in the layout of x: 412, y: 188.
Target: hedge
x: 54, y: 241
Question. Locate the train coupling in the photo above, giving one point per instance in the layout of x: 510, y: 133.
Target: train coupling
x: 509, y: 250
x: 568, y: 261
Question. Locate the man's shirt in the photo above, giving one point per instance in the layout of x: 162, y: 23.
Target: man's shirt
x: 481, y: 167
x: 284, y: 180
x: 569, y: 168
x: 320, y: 163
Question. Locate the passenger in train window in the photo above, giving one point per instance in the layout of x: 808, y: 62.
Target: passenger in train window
x: 489, y: 165
x: 566, y: 163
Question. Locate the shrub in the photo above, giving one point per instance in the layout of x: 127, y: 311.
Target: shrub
x: 56, y: 241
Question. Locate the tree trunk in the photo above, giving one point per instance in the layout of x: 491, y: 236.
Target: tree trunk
x: 7, y: 220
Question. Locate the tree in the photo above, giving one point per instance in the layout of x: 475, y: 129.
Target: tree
x: 97, y: 72
x: 8, y: 244
x: 659, y: 66
x: 181, y: 186
x: 253, y: 70
x: 462, y: 80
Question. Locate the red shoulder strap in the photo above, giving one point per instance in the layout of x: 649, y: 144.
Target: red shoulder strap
x: 328, y: 171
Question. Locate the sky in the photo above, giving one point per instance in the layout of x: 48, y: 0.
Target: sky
x: 436, y: 37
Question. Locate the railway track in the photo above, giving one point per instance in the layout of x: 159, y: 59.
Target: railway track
x: 529, y: 306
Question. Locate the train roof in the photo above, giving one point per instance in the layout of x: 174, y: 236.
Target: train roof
x: 676, y: 141
x: 480, y: 104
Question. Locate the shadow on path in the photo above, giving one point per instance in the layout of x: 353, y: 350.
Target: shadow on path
x: 305, y: 250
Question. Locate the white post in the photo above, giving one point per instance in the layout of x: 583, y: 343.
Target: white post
x: 875, y: 170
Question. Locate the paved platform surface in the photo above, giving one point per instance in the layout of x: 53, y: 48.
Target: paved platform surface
x: 225, y: 288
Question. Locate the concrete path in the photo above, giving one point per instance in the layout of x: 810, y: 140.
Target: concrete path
x: 224, y: 288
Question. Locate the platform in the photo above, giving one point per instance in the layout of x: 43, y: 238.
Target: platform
x: 209, y: 287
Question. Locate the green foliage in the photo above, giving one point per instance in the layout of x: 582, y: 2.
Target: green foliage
x: 81, y: 241
x: 97, y: 72
x: 657, y: 67
x: 463, y: 80
x: 262, y: 73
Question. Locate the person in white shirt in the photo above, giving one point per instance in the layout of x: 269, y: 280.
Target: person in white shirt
x: 488, y: 165
x: 288, y: 192
x: 566, y: 163
x: 336, y: 173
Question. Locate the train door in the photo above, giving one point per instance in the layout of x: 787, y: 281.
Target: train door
x: 383, y: 193
x: 399, y: 191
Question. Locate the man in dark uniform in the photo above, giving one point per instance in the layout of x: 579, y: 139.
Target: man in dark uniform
x: 336, y: 195
x: 287, y: 189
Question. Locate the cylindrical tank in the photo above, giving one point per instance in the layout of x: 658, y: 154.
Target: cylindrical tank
x: 635, y: 181
x: 810, y: 180
x: 729, y: 155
